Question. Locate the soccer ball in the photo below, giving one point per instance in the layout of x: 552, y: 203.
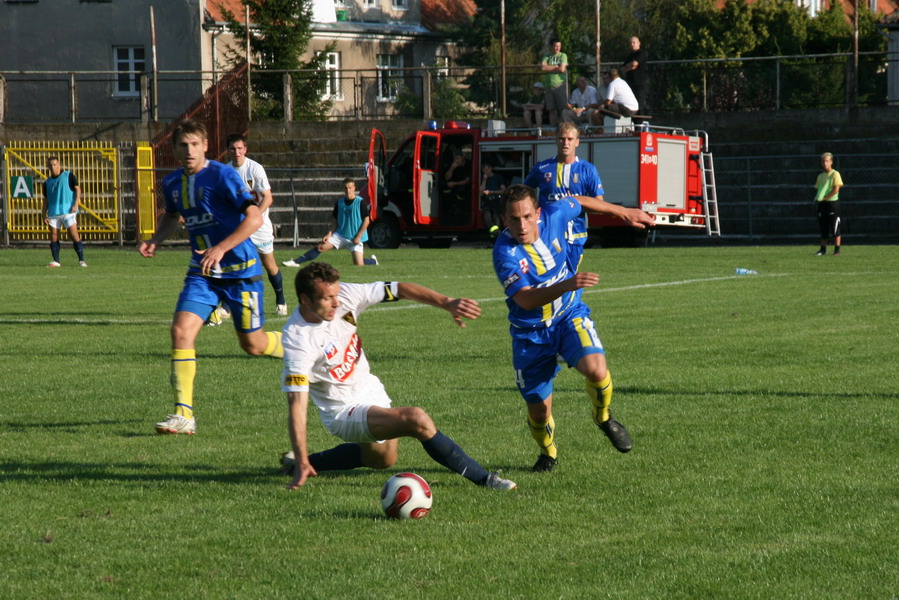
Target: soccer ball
x: 406, y: 496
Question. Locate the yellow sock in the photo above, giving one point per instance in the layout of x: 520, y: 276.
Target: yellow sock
x: 544, y: 435
x: 274, y: 347
x: 601, y: 396
x: 184, y: 369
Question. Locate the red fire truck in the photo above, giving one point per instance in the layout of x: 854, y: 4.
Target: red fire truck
x: 667, y: 172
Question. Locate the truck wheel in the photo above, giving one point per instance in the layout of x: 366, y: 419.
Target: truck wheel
x: 384, y: 233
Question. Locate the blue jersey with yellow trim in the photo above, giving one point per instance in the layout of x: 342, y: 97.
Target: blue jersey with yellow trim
x: 555, y: 180
x: 540, y: 264
x: 212, y: 203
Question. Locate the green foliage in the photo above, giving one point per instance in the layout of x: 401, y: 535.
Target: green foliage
x: 447, y: 101
x: 764, y: 412
x: 279, y: 35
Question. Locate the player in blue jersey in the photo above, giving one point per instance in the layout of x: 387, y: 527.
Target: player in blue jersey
x: 567, y: 175
x: 220, y: 214
x: 548, y: 318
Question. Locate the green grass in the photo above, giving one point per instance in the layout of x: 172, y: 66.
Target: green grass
x: 764, y: 411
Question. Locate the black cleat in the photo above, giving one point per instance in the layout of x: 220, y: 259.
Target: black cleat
x: 544, y: 463
x: 617, y: 434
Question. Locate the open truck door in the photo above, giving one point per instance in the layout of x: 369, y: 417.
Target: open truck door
x: 384, y: 229
x: 426, y: 173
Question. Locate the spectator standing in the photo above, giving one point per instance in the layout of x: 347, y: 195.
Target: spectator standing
x: 635, y: 70
x: 533, y: 108
x: 581, y: 104
x: 554, y: 65
x: 62, y: 197
x: 827, y: 198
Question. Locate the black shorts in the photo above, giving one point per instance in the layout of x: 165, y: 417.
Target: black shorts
x: 829, y: 218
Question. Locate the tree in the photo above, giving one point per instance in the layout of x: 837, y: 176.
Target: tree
x: 280, y: 32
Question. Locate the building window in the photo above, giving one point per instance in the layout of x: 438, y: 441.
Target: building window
x: 332, y: 89
x: 339, y: 3
x: 401, y: 4
x: 442, y: 64
x: 131, y: 58
x: 372, y: 3
x: 813, y: 6
x: 390, y: 80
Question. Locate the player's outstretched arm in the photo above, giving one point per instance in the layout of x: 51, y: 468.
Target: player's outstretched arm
x: 164, y: 227
x: 297, y: 409
x: 633, y: 216
x: 531, y: 297
x: 459, y: 308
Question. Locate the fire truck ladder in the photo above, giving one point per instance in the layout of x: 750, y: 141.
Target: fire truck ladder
x: 709, y: 194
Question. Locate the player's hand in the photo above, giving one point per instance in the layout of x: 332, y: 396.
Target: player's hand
x: 463, y: 308
x: 639, y: 219
x: 582, y: 280
x: 147, y: 249
x: 212, y: 257
x: 300, y: 473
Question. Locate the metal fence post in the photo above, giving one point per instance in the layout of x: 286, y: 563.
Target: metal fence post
x: 73, y: 99
x: 777, y: 84
x: 426, y: 95
x: 287, y: 91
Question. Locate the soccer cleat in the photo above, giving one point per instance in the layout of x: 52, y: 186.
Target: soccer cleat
x: 545, y: 463
x: 836, y: 252
x: 374, y: 260
x: 288, y: 463
x: 820, y: 252
x: 495, y: 482
x: 81, y: 263
x: 290, y: 263
x: 214, y: 320
x: 282, y: 310
x: 53, y: 263
x: 223, y: 312
x: 617, y: 434
x: 175, y: 424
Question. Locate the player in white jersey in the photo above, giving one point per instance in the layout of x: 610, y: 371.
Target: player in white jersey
x: 324, y: 361
x: 263, y: 238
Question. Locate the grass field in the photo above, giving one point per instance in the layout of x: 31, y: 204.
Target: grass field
x: 764, y: 411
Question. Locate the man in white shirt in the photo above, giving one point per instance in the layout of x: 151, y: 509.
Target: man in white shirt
x: 324, y: 360
x: 581, y: 104
x: 619, y: 97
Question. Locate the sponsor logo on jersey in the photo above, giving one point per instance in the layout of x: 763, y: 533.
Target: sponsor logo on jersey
x: 510, y: 280
x: 523, y: 265
x: 350, y: 356
x: 197, y: 221
x: 296, y: 380
x: 349, y: 318
x: 548, y: 177
x: 330, y: 351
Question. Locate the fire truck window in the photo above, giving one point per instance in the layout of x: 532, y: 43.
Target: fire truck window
x: 429, y: 153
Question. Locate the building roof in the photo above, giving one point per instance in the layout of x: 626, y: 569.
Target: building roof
x: 446, y: 12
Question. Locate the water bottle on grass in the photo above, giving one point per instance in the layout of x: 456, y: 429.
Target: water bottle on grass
x: 742, y: 271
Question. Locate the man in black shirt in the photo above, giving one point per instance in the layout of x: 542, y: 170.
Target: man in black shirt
x: 634, y: 70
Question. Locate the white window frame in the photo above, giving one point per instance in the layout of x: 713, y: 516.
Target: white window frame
x: 334, y: 87
x: 125, y: 64
x: 442, y: 63
x: 404, y: 4
x: 372, y: 3
x: 389, y: 80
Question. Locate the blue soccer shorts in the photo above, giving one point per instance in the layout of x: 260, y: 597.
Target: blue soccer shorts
x: 535, y: 353
x: 243, y: 297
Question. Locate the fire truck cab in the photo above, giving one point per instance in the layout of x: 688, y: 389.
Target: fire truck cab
x: 429, y: 192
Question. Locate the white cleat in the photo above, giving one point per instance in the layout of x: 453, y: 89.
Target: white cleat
x: 81, y: 263
x: 290, y: 263
x: 495, y: 482
x: 282, y: 310
x: 53, y: 263
x: 224, y: 313
x: 175, y: 424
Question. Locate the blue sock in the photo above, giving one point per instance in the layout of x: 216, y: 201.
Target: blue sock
x: 311, y: 254
x: 79, y: 249
x: 450, y: 455
x: 278, y: 285
x: 339, y: 458
x: 54, y: 250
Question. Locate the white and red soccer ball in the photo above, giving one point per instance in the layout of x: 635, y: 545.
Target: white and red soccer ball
x: 406, y: 496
